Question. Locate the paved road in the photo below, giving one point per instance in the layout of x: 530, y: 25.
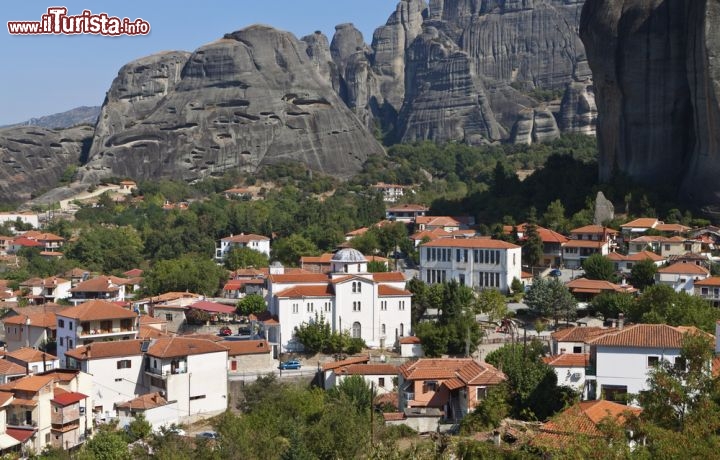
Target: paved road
x: 306, y: 371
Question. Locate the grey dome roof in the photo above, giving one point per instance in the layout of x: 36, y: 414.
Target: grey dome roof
x: 348, y: 255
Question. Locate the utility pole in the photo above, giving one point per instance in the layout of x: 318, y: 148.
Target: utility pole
x: 372, y: 414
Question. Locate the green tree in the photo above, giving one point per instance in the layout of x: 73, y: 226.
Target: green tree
x: 661, y: 304
x: 106, y: 444
x: 314, y: 335
x: 139, y: 428
x: 356, y: 390
x: 492, y: 302
x: 550, y: 297
x: 599, y: 267
x: 107, y: 249
x: 611, y: 304
x: 376, y: 266
x: 434, y: 338
x: 251, y: 304
x: 532, y: 249
x: 489, y: 413
x: 288, y: 250
x: 554, y: 217
x: 243, y: 257
x: 642, y: 274
x: 187, y: 273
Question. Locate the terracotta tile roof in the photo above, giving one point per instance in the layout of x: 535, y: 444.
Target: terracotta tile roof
x: 65, y: 398
x: 42, y: 282
x: 593, y: 229
x: 245, y: 347
x: 147, y: 319
x: 134, y: 273
x: 210, y: 337
x: 385, y: 291
x: 393, y: 416
x: 5, y: 397
x: 649, y: 239
x: 411, y: 339
x: 643, y: 222
x: 264, y: 317
x: 475, y: 242
x: 435, y: 221
x: 30, y: 355
x: 680, y: 268
x: 24, y: 402
x: 716, y: 366
x: 299, y: 278
x: 143, y: 402
x: 171, y: 347
x: 585, y: 285
x: 325, y: 258
x: 30, y: 383
x: 408, y: 207
x: 568, y: 360
x: 679, y: 228
x: 325, y: 290
x: 345, y: 362
x: 713, y: 281
x: 359, y: 231
x: 40, y: 236
x: 430, y: 234
x: 637, y: 257
x: 149, y: 332
x: 579, y: 334
x: 468, y: 370
x: 27, y: 242
x: 212, y: 307
x: 99, y: 284
x: 454, y: 384
x: 95, y: 310
x: 46, y: 320
x: 103, y: 350
x: 643, y: 336
x: 367, y: 369
x: 390, y: 399
x: 10, y: 368
x: 245, y: 238
x: 388, y: 277
x: 585, y: 244
x: 21, y: 434
x: 170, y: 296
x: 580, y: 419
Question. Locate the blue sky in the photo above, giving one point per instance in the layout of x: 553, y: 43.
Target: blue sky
x: 46, y: 74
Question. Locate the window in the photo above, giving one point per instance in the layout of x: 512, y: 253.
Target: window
x: 653, y: 361
x: 61, y: 341
x: 61, y: 322
x: 295, y: 308
x: 381, y: 382
x: 34, y: 369
x: 383, y: 305
x: 382, y: 329
x: 124, y: 364
x: 70, y: 343
x: 577, y: 349
x: 168, y: 317
x: 310, y: 307
x: 430, y: 385
x: 401, y: 305
x: 70, y: 325
x: 354, y: 286
x: 402, y: 329
x: 680, y: 363
x: 356, y: 306
x: 327, y: 306
x: 195, y: 398
x: 119, y: 380
x: 480, y: 393
x: 356, y: 330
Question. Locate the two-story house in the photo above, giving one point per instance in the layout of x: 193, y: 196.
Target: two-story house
x: 430, y: 223
x: 42, y: 290
x: 109, y: 288
x: 32, y: 360
x: 638, y: 226
x: 32, y: 330
x: 49, y: 241
x: 584, y: 290
x: 93, y: 321
x: 621, y: 360
x: 681, y: 277
x: 708, y: 289
x: 476, y: 262
x: 586, y: 241
x: 570, y: 369
x: 191, y: 371
x: 624, y: 263
x: 372, y: 306
x: 452, y: 386
x: 405, y: 212
x: 552, y: 242
x: 392, y: 192
x: 257, y: 243
x: 8, y: 445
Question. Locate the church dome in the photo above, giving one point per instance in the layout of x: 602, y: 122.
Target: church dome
x: 348, y: 255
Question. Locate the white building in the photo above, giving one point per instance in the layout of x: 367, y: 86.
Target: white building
x: 109, y: 288
x: 625, y: 263
x: 34, y: 361
x: 251, y: 241
x: 24, y: 217
x: 570, y: 369
x: 372, y: 306
x: 41, y: 290
x: 191, y: 371
x: 93, y: 321
x: 681, y: 277
x: 116, y: 369
x: 476, y: 262
x: 620, y: 360
x: 31, y: 330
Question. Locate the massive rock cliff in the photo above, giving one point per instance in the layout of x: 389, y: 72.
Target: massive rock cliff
x: 657, y: 84
x: 33, y: 159
x: 252, y: 98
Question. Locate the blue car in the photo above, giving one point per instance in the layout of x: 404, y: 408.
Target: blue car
x: 555, y: 273
x: 292, y: 364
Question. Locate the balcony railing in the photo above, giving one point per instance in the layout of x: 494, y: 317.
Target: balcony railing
x: 162, y: 373
x: 409, y: 396
x: 21, y: 422
x: 99, y: 331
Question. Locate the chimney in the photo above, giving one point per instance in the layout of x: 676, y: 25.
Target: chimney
x: 621, y: 321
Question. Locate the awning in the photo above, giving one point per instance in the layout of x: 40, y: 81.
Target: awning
x: 7, y: 441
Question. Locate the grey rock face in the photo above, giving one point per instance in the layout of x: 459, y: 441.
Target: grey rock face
x: 656, y: 80
x: 578, y: 111
x: 254, y: 97
x: 604, y: 209
x: 535, y: 125
x: 34, y: 158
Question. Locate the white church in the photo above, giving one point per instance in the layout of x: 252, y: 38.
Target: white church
x: 372, y: 306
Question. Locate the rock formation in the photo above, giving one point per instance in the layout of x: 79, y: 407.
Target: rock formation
x: 34, y: 159
x: 252, y: 98
x: 656, y: 83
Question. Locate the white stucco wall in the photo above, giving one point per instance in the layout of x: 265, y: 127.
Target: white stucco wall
x: 628, y: 366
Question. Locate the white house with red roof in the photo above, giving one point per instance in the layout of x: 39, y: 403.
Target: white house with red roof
x: 51, y: 289
x: 379, y: 376
x: 570, y: 369
x: 621, y: 359
x: 476, y: 262
x: 392, y: 192
x: 108, y: 288
x: 405, y: 212
x: 372, y: 306
x: 446, y: 223
x: 552, y: 241
x: 93, y: 321
x: 257, y: 243
x: 638, y: 226
x: 624, y: 263
x: 681, y: 277
x: 708, y: 289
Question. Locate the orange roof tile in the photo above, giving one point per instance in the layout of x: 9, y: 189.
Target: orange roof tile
x: 411, y: 339
x: 172, y: 347
x: 470, y: 371
x: 299, y: 278
x: 568, y: 360
x: 46, y: 320
x: 388, y: 277
x: 680, y: 268
x: 307, y: 291
x: 95, y: 310
x: 99, y: 284
x: 642, y: 222
x: 149, y: 332
x: 245, y: 238
x: 474, y: 242
x: 444, y: 221
x: 345, y: 362
x: 8, y: 368
x: 679, y: 228
x: 712, y: 281
x: 637, y: 257
x: 30, y: 383
x: 5, y: 397
x: 30, y: 355
x: 593, y: 229
x: 585, y: 285
x: 385, y: 291
x: 393, y: 416
x: 245, y: 347
x: 579, y: 334
x: 643, y: 336
x: 103, y: 350
x: 143, y: 402
x: 585, y: 244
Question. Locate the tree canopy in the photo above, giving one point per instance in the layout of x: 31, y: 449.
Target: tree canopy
x: 550, y: 297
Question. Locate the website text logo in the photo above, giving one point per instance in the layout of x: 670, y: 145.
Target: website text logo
x: 57, y: 21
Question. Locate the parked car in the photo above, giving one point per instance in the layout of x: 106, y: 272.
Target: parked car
x: 207, y: 435
x: 555, y: 272
x: 292, y: 364
x: 225, y: 331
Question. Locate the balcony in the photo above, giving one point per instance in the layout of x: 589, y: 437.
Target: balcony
x: 21, y: 422
x: 165, y: 373
x: 409, y: 396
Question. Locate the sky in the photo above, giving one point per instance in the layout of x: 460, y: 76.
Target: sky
x: 46, y: 74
